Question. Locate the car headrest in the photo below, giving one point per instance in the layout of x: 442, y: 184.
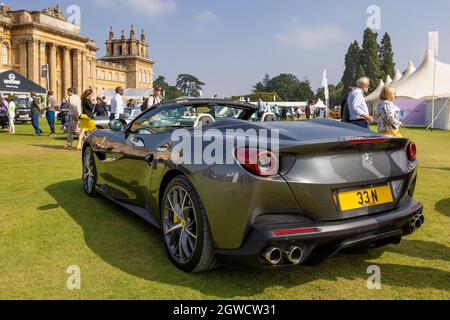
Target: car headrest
x: 268, y: 116
x: 203, y: 119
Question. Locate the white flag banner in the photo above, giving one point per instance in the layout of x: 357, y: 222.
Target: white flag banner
x: 433, y: 43
x: 325, y: 85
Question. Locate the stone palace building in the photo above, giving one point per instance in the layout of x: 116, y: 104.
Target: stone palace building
x: 32, y: 39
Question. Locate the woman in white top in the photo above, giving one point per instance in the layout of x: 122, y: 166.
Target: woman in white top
x: 155, y: 98
x: 387, y: 115
x: 11, y: 113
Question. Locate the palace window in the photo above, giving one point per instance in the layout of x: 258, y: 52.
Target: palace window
x: 117, y: 77
x: 5, y: 53
x: 103, y: 75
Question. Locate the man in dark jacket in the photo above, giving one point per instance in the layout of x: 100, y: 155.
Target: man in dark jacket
x: 101, y: 107
x: 35, y: 113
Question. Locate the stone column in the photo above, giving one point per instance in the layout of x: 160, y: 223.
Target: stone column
x: 84, y: 59
x: 23, y: 58
x: 52, y: 66
x: 1, y: 53
x: 77, y: 71
x: 33, y: 60
x: 66, y: 70
x: 42, y: 61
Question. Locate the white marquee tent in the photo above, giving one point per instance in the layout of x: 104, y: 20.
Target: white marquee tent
x: 320, y: 105
x: 398, y: 76
x: 418, y: 86
x: 376, y: 93
x: 409, y: 70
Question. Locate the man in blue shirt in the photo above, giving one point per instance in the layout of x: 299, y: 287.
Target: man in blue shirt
x: 261, y: 107
x: 357, y: 106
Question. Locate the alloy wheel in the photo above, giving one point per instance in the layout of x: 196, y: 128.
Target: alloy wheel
x: 89, y: 171
x: 180, y: 224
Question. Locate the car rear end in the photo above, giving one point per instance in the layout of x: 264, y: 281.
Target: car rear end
x: 23, y: 110
x: 353, y: 190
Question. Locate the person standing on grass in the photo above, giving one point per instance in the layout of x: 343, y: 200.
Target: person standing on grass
x: 63, y: 110
x: 74, y: 113
x: 11, y: 113
x: 261, y: 108
x: 387, y: 113
x: 308, y: 109
x: 4, y: 110
x: 154, y: 99
x: 101, y: 107
x: 50, y: 112
x: 117, y: 105
x: 35, y: 113
x: 357, y: 106
x: 87, y: 122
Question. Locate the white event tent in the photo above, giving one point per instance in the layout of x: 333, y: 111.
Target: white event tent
x: 415, y: 93
x: 398, y: 76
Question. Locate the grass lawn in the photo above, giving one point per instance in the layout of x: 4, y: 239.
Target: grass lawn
x: 48, y: 224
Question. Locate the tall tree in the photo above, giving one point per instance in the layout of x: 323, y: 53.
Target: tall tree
x: 160, y: 81
x: 335, y: 94
x: 370, y: 59
x: 387, y: 57
x: 170, y: 92
x: 189, y: 85
x: 352, y: 65
x: 262, y: 86
x: 286, y: 85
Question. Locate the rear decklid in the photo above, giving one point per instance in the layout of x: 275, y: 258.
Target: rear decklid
x: 335, y: 166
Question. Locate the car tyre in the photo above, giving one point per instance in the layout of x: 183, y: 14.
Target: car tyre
x: 185, y: 230
x: 89, y: 172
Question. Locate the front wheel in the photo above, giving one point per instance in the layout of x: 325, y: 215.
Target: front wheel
x: 89, y: 172
x: 185, y: 228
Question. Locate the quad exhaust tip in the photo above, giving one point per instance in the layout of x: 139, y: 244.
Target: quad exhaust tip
x: 416, y: 222
x: 273, y: 256
x: 293, y: 254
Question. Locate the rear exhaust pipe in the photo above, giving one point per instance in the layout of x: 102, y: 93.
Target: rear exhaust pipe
x: 293, y: 254
x: 416, y: 222
x: 273, y: 256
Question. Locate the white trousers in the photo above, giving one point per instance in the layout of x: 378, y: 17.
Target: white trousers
x: 12, y: 127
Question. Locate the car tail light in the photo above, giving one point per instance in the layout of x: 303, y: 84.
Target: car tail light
x: 257, y: 161
x: 411, y: 151
x: 288, y: 232
x: 368, y: 140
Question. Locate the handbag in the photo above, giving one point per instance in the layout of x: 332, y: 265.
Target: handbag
x: 41, y: 106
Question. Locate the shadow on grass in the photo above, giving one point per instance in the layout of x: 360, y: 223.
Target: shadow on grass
x: 443, y: 206
x: 434, y: 168
x: 53, y: 147
x: 131, y: 245
x: 427, y: 250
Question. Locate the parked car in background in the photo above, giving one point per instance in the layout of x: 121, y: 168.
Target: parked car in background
x: 23, y: 109
x: 130, y: 114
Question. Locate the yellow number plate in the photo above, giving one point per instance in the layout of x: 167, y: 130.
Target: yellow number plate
x: 357, y: 199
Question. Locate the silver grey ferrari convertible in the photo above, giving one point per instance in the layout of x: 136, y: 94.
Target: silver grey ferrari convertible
x: 225, y: 190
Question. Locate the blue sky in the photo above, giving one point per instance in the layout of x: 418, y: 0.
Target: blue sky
x: 231, y: 44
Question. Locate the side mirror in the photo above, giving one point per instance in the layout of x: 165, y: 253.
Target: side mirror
x: 117, y: 125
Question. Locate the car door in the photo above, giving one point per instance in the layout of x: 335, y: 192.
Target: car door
x: 133, y: 161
